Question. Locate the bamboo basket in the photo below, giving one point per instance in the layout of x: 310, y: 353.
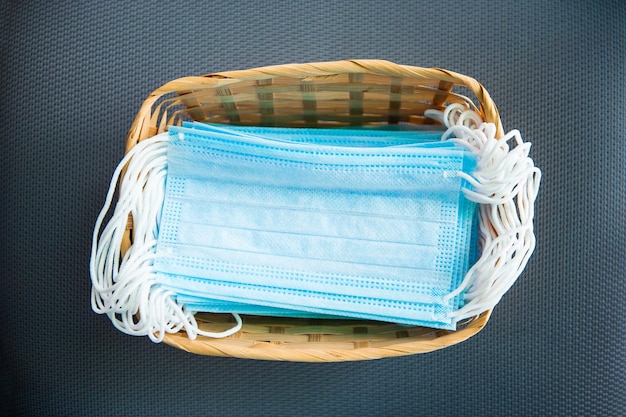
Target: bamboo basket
x: 325, y: 94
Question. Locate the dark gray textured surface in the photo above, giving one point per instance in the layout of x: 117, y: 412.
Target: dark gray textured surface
x: 72, y: 76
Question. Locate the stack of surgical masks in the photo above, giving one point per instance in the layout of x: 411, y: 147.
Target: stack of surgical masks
x: 381, y: 224
x: 361, y: 223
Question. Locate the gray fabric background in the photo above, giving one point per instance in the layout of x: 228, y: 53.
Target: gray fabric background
x: 73, y: 75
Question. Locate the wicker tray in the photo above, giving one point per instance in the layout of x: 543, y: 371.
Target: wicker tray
x: 326, y: 94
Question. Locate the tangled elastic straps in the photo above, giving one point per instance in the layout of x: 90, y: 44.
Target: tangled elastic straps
x: 505, y: 184
x: 124, y: 288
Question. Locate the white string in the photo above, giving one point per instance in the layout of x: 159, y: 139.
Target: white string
x: 125, y: 288
x: 505, y: 184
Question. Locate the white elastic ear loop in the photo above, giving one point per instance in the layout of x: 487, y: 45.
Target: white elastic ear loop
x: 105, y: 251
x: 506, y: 184
x: 125, y: 289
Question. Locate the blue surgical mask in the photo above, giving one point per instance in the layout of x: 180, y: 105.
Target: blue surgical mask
x: 369, y: 232
x: 303, y: 224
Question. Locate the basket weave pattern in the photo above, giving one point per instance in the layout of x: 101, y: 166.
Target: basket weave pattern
x: 327, y: 94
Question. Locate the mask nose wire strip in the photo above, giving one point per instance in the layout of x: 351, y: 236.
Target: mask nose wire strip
x: 124, y: 288
x: 505, y: 184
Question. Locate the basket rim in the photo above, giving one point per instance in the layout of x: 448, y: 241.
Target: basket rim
x: 265, y: 350
x: 145, y: 125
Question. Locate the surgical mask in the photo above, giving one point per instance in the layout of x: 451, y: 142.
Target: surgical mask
x: 364, y: 232
x: 383, y: 195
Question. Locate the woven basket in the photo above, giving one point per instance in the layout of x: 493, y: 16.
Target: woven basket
x: 326, y: 94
